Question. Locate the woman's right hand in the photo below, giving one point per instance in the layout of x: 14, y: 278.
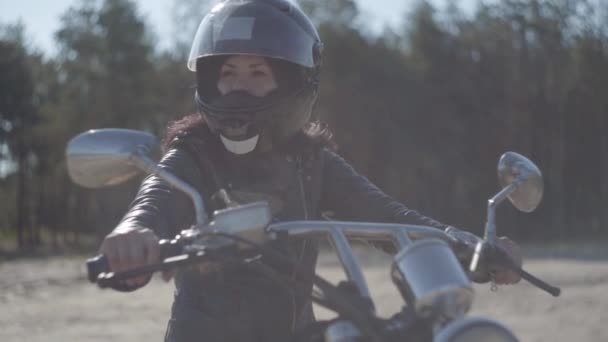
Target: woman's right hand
x: 129, y: 247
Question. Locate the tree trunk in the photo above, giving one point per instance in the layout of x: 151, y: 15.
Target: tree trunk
x: 603, y: 186
x: 21, y: 194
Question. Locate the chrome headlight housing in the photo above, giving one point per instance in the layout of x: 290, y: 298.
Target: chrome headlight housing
x: 431, y: 280
x: 475, y: 329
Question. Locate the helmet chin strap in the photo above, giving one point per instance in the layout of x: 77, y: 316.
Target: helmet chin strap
x: 240, y: 147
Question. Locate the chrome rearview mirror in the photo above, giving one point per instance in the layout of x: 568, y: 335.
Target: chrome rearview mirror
x: 104, y: 157
x: 522, y: 184
x: 513, y: 168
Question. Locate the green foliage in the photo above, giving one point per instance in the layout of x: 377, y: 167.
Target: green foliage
x: 18, y: 114
x: 336, y: 13
x: 17, y: 109
x: 106, y: 66
x: 424, y: 111
x: 186, y: 15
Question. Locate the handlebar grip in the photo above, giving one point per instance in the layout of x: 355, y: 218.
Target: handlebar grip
x: 169, y: 248
x: 96, y: 266
x: 99, y: 264
x: 554, y: 291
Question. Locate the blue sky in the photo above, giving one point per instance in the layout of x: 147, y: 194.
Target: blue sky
x: 41, y: 17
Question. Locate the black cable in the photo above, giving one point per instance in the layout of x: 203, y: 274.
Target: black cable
x: 314, y: 329
x: 332, y: 294
x: 290, y: 286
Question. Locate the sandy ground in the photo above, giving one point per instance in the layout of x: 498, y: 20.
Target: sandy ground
x: 50, y: 300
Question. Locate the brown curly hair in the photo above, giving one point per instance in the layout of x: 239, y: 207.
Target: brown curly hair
x: 315, y: 134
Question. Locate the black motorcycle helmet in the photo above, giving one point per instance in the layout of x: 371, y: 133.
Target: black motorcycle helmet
x: 281, y: 33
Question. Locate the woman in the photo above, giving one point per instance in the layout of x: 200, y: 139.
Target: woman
x: 257, y: 67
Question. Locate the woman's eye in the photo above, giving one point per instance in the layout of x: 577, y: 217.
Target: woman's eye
x: 226, y: 73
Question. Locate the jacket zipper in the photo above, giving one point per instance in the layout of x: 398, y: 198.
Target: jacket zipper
x: 306, y: 217
x: 301, y: 181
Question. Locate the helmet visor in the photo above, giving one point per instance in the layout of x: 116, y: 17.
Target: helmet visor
x: 254, y: 28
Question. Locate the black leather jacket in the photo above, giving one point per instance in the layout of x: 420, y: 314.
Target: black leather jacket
x: 234, y: 304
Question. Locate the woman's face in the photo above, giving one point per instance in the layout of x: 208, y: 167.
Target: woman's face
x: 248, y: 73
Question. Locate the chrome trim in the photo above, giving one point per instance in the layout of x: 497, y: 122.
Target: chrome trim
x: 141, y: 160
x: 340, y: 232
x: 485, y: 329
x: 360, y: 230
x: 349, y: 260
x: 490, y: 229
x: 513, y: 167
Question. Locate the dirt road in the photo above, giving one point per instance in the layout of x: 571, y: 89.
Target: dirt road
x: 50, y: 300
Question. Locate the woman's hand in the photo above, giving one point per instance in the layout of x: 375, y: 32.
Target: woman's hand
x: 129, y: 247
x: 511, y: 248
x: 464, y: 243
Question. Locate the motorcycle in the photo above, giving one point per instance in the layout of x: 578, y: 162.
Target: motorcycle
x: 436, y: 287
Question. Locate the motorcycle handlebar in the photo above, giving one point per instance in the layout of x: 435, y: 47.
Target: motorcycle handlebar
x: 99, y: 266
x: 554, y: 291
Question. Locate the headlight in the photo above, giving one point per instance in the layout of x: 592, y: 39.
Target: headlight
x: 475, y: 329
x: 431, y: 279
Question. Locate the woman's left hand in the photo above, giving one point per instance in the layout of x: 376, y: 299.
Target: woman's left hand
x: 506, y: 277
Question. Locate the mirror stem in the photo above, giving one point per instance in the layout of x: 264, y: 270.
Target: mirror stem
x: 144, y: 163
x: 490, y: 230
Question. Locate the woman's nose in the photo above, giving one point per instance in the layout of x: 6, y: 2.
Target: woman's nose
x: 239, y: 83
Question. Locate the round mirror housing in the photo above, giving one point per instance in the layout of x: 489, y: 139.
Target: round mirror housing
x: 515, y: 168
x: 102, y: 157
